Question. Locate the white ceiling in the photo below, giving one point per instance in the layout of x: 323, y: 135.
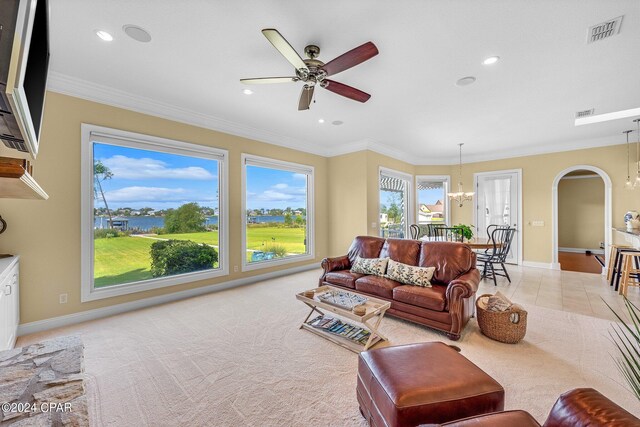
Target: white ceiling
x: 524, y: 104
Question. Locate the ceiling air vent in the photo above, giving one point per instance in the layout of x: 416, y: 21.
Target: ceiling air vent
x: 604, y: 30
x: 584, y: 113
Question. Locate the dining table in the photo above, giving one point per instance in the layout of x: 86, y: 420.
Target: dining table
x: 474, y: 243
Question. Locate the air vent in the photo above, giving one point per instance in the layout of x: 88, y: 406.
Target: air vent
x: 604, y: 30
x: 584, y: 113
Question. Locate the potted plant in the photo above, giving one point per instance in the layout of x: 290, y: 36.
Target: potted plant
x: 465, y: 231
x: 626, y: 337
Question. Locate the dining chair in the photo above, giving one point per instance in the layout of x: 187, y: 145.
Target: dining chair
x: 493, y: 261
x: 414, y: 229
x: 447, y: 234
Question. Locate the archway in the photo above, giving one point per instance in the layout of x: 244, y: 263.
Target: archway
x: 607, y: 210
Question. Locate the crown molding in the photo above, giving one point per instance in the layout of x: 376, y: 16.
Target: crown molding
x: 79, y: 88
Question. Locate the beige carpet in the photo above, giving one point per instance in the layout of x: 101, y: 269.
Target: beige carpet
x: 237, y: 358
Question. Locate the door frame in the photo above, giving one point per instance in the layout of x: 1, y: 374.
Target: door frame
x: 519, y: 233
x: 555, y: 265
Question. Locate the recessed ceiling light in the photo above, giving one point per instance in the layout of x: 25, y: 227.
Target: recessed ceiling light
x: 247, y: 91
x: 465, y: 81
x: 137, y: 33
x: 320, y: 120
x: 104, y: 35
x: 337, y: 122
x: 491, y: 60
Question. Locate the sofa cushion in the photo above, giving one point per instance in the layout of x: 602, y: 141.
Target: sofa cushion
x: 343, y: 278
x: 375, y: 266
x: 401, y: 250
x: 431, y: 298
x: 449, y: 258
x: 375, y: 285
x: 365, y: 247
x: 409, y: 274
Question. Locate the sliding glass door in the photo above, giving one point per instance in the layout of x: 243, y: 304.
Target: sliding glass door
x: 395, y: 203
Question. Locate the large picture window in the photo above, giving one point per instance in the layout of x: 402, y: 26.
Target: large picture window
x: 432, y: 203
x: 277, y: 212
x: 395, y: 203
x: 154, y: 212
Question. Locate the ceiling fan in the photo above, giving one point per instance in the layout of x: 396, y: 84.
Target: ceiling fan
x: 314, y: 72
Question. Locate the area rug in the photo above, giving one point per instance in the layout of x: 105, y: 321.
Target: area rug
x: 237, y: 358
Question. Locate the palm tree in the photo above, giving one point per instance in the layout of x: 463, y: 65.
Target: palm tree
x: 102, y: 173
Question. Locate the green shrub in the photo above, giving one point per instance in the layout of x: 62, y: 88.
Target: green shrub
x: 279, y: 250
x: 169, y: 257
x: 107, y: 233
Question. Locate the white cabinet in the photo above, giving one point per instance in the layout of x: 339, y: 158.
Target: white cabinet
x: 9, y: 302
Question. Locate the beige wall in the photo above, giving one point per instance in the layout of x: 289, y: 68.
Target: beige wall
x: 347, y: 200
x: 581, y: 213
x: 538, y: 173
x: 46, y: 234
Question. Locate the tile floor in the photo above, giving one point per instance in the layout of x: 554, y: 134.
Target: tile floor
x: 582, y: 293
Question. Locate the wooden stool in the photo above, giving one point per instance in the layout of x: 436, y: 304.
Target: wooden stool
x: 630, y: 271
x: 614, y: 259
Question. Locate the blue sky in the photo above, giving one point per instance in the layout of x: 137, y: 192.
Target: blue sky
x: 143, y: 178
x: 157, y: 180
x: 275, y: 189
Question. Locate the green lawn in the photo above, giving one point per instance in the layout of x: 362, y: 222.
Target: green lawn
x: 126, y: 259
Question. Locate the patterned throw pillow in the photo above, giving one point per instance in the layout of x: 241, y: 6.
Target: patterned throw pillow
x: 410, y: 274
x: 375, y: 266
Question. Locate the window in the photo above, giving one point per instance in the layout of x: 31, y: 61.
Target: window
x: 395, y: 202
x: 153, y: 212
x: 432, y: 205
x: 277, y: 212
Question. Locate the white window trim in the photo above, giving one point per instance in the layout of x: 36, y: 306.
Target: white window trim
x: 410, y: 205
x: 289, y: 167
x: 447, y: 205
x: 135, y: 140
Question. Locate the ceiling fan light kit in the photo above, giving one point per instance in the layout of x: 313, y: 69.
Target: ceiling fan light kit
x: 314, y: 72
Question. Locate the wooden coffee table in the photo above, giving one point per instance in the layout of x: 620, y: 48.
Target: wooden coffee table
x: 370, y: 321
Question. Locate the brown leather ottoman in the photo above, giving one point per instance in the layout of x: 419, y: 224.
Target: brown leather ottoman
x: 423, y: 383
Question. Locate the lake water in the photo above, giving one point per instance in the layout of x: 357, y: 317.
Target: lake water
x: 148, y: 222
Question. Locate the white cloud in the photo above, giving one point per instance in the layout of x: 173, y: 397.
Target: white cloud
x: 280, y: 186
x: 146, y: 194
x: 275, y: 196
x: 146, y: 168
x: 299, y: 176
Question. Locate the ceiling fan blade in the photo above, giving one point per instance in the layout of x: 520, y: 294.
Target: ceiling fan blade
x: 346, y: 91
x: 268, y: 80
x: 351, y: 59
x: 283, y: 46
x: 305, y: 97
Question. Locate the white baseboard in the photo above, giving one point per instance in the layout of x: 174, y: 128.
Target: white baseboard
x: 83, y: 316
x: 582, y: 250
x: 535, y: 264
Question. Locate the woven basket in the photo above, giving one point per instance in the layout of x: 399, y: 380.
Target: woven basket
x: 508, y: 326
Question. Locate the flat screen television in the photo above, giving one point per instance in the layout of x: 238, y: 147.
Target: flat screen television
x: 24, y: 65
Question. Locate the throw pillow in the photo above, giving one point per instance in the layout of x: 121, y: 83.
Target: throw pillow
x: 410, y: 274
x: 498, y: 302
x: 374, y: 266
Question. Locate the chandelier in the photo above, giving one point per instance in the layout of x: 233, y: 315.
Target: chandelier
x: 460, y: 197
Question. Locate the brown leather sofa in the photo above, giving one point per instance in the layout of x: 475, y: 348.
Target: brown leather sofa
x: 578, y: 407
x: 446, y: 306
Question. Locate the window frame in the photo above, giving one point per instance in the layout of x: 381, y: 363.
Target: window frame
x: 410, y: 202
x: 265, y: 162
x: 91, y: 133
x: 447, y: 206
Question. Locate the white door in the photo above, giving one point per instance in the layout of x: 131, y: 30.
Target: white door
x: 497, y: 202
